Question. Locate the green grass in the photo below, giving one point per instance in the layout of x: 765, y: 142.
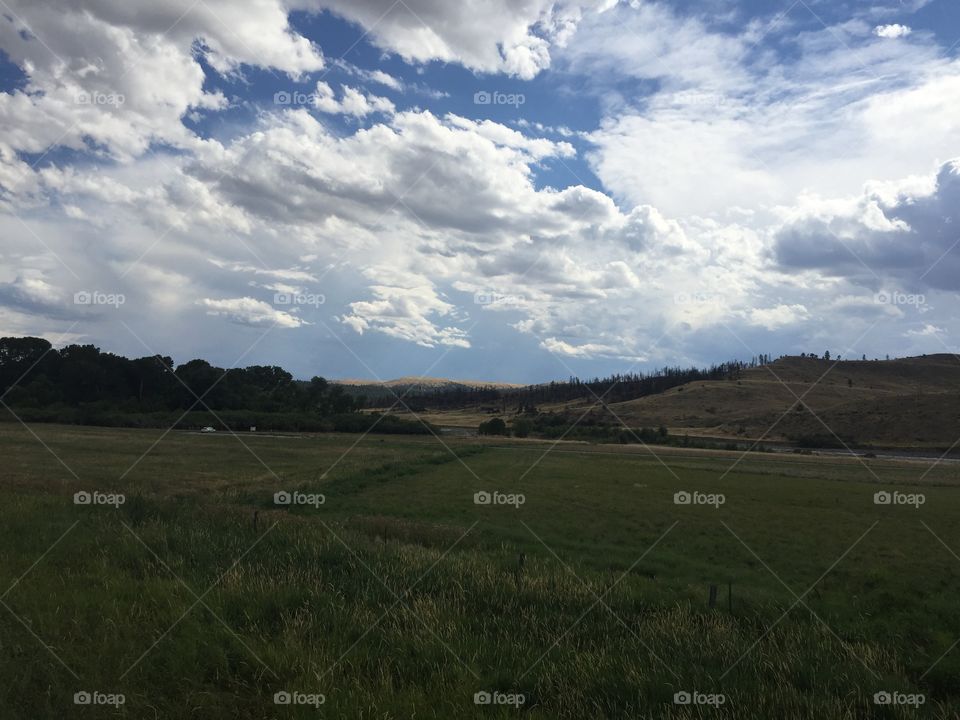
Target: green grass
x: 399, y: 597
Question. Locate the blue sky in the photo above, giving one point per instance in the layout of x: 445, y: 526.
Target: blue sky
x: 504, y: 190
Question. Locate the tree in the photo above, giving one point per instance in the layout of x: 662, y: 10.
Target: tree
x: 24, y: 356
x: 153, y: 379
x: 826, y: 355
x: 522, y: 427
x: 201, y: 380
x: 82, y: 375
x: 494, y: 426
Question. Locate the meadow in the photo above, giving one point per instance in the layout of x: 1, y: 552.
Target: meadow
x: 384, y: 590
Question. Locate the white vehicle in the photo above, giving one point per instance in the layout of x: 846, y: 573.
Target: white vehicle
x: 208, y: 429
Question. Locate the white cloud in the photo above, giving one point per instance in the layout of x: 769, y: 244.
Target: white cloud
x: 379, y: 77
x: 776, y: 317
x: 731, y: 195
x: 892, y: 31
x: 497, y: 36
x: 250, y: 311
x: 352, y: 102
x: 111, y: 77
x: 586, y: 350
x: 927, y: 330
x: 290, y: 274
x: 906, y: 236
x: 750, y: 129
x: 405, y: 313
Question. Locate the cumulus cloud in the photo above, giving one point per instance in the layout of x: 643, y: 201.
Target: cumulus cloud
x: 892, y: 31
x: 406, y: 313
x: 585, y: 350
x: 112, y: 78
x: 367, y: 203
x: 908, y: 237
x: 352, y: 102
x: 776, y: 317
x: 30, y: 291
x: 498, y: 36
x: 250, y: 311
x: 927, y: 330
x: 729, y: 198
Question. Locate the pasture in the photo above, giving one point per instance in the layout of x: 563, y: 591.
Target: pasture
x: 384, y: 590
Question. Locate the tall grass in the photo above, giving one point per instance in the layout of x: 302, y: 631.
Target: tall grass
x: 388, y: 604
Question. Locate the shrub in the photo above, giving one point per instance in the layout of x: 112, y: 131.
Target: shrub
x: 494, y: 426
x: 521, y: 428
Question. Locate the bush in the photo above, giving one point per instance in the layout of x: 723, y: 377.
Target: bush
x: 521, y: 428
x: 495, y: 426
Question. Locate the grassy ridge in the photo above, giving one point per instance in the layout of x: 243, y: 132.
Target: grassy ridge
x: 400, y: 546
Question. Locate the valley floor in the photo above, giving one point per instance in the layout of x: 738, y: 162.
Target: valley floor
x: 410, y: 577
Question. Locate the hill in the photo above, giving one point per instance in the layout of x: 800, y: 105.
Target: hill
x: 908, y: 401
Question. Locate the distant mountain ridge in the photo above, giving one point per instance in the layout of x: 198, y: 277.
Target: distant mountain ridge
x: 432, y: 383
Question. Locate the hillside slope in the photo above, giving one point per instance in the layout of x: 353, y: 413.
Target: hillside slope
x: 910, y: 401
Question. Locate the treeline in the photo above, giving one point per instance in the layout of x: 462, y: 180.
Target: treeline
x: 627, y: 386
x: 613, y: 388
x: 557, y: 426
x: 80, y: 384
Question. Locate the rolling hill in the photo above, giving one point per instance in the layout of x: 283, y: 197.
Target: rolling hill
x: 909, y: 401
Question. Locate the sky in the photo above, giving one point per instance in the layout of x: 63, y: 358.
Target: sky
x: 490, y: 190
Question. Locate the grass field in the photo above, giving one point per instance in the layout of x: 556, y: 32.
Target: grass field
x: 399, y: 597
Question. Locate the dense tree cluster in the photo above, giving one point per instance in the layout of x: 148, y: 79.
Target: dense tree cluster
x: 80, y: 384
x: 38, y: 375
